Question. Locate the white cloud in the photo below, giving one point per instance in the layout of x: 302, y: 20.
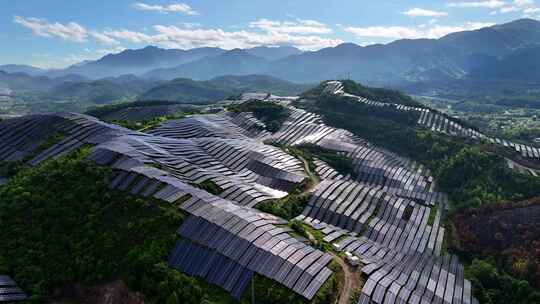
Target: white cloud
x: 524, y: 3
x: 304, y: 34
x: 103, y: 38
x: 508, y: 9
x: 172, y: 36
x: 70, y: 31
x: 171, y: 8
x: 476, y: 4
x: 531, y: 10
x: 286, y: 27
x: 129, y: 36
x: 402, y: 32
x: 420, y: 12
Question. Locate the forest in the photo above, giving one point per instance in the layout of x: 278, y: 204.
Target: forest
x: 102, y: 235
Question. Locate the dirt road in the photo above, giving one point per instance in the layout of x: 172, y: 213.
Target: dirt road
x: 352, y: 281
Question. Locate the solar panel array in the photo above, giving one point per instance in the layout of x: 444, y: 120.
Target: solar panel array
x: 9, y: 291
x: 247, y: 170
x: 170, y: 168
x: 440, y: 123
x: 213, y: 125
x: 254, y: 242
x: 384, y: 216
x: 140, y: 113
x: 381, y: 216
x: 373, y: 165
x: 400, y: 251
x: 22, y: 136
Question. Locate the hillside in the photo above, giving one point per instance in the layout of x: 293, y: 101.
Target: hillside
x: 260, y: 175
x: 137, y: 62
x: 234, y: 62
x: 190, y: 91
x: 417, y: 60
x: 100, y: 91
x: 471, y: 55
x: 20, y: 68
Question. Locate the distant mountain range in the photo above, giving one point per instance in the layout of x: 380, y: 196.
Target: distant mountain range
x: 75, y: 93
x: 499, y: 52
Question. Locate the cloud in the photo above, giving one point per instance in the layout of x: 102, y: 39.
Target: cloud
x: 402, y: 32
x: 508, y: 9
x: 303, y: 34
x: 165, y: 9
x: 419, y: 12
x: 70, y: 31
x: 531, y: 10
x: 299, y: 27
x: 479, y: 4
x: 524, y: 3
x: 172, y: 36
x: 104, y: 39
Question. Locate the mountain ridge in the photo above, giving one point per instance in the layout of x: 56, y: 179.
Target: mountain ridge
x: 454, y: 56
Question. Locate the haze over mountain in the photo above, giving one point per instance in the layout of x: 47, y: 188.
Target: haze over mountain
x: 234, y: 62
x: 136, y: 61
x: 460, y: 55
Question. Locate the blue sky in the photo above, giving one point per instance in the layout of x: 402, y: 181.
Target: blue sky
x: 58, y: 33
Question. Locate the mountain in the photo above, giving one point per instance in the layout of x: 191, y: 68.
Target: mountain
x: 274, y: 53
x: 190, y: 91
x: 261, y: 83
x: 25, y: 82
x: 187, y: 91
x: 20, y: 68
x: 457, y: 56
x: 521, y: 65
x: 137, y: 61
x: 233, y: 62
x: 450, y: 57
x: 101, y: 91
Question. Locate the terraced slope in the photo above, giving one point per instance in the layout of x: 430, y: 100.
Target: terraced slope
x: 388, y: 214
x: 389, y: 217
x: 244, y: 171
x: 440, y: 123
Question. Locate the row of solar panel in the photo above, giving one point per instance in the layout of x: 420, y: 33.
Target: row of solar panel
x: 253, y: 240
x: 9, y: 291
x: 195, y: 260
x: 440, y: 123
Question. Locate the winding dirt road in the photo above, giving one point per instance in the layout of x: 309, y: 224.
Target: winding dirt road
x: 352, y: 281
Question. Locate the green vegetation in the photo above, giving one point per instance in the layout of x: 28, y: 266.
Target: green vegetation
x: 101, y: 236
x: 493, y: 286
x: 108, y: 112
x: 288, y: 207
x: 471, y: 174
x: 188, y: 91
x: 9, y: 169
x: 149, y: 123
x: 103, y: 111
x: 379, y: 94
x: 210, y: 187
x: 432, y: 214
x: 271, y: 114
x: 338, y: 162
x: 270, y: 292
x: 220, y: 88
